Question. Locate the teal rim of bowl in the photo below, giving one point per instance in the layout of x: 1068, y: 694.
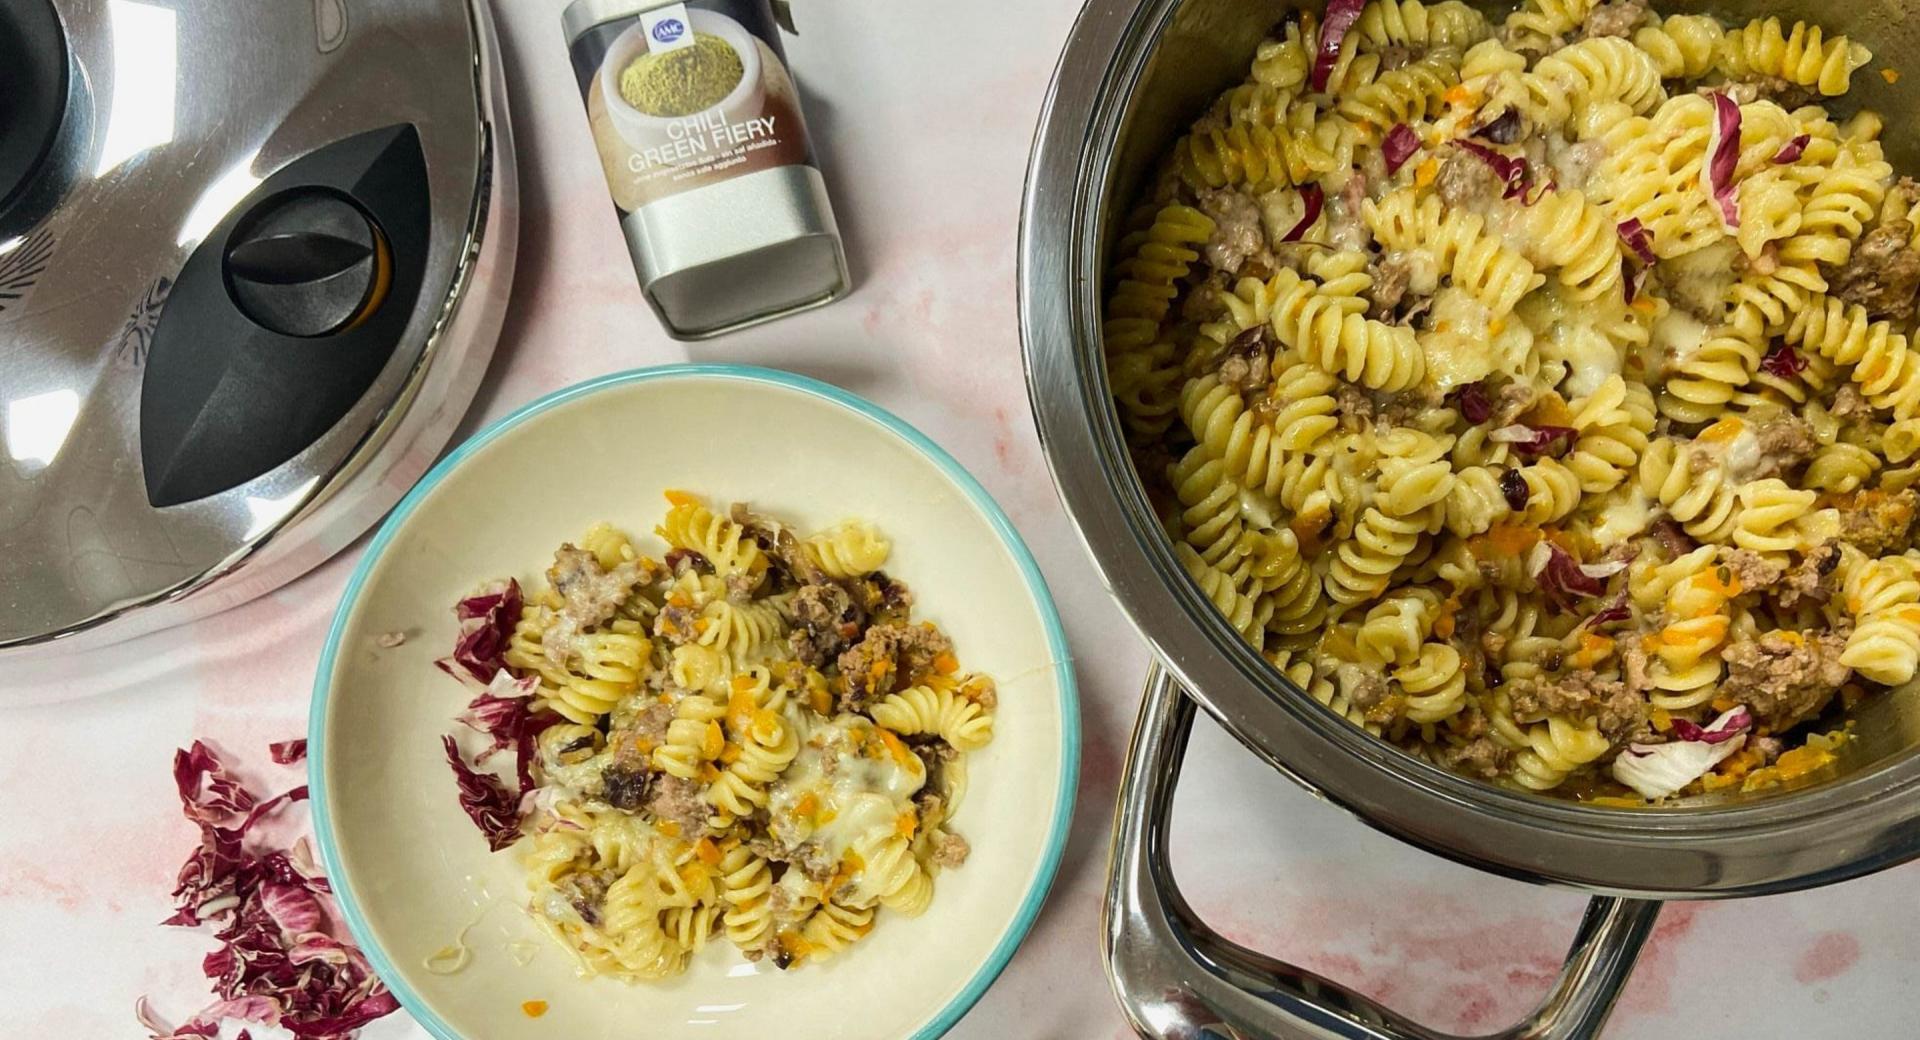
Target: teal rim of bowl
x: 1036, y: 896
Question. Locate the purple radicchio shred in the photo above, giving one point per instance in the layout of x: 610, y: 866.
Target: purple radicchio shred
x: 1614, y: 612
x: 1514, y: 487
x: 1729, y: 726
x: 282, y: 961
x: 1632, y: 278
x: 487, y: 802
x: 1502, y: 129
x: 1639, y: 239
x: 1314, y: 198
x: 1514, y: 171
x: 1474, y: 403
x: 207, y: 791
x: 1564, y: 582
x: 1400, y: 145
x: 1726, y: 158
x: 1783, y: 362
x: 486, y: 623
x: 1672, y: 537
x: 1341, y: 14
x: 1793, y: 151
x: 288, y: 752
x: 1545, y: 442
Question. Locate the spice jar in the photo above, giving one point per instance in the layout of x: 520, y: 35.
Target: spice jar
x: 700, y: 133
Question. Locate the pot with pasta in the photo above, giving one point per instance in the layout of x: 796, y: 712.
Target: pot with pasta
x: 1507, y: 423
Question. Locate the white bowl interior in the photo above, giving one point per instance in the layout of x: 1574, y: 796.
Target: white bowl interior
x: 415, y: 872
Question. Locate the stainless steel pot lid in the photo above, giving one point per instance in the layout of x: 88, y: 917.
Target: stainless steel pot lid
x: 234, y: 241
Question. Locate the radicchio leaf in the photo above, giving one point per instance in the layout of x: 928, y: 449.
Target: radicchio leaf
x: 1314, y: 198
x: 1662, y: 770
x: 1793, y: 150
x: 1341, y: 14
x: 1725, y: 159
x: 208, y: 793
x: 1783, y: 362
x: 1536, y: 441
x: 280, y: 962
x: 1475, y: 406
x: 1514, y: 171
x: 1618, y: 610
x: 1639, y: 239
x: 1502, y: 129
x: 1561, y: 577
x: 487, y: 802
x: 1399, y: 146
x: 486, y: 623
x: 288, y: 752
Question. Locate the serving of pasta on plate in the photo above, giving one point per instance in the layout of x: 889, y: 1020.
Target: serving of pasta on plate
x: 1536, y: 392
x: 748, y: 739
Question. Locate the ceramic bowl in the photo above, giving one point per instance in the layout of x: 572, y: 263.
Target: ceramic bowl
x: 412, y: 873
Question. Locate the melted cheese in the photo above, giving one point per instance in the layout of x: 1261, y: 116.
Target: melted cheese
x: 1624, y: 514
x: 846, y: 789
x: 1457, y: 347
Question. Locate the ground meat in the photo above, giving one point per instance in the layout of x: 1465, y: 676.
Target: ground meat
x: 1754, y: 572
x: 886, y: 657
x: 1879, y: 522
x: 1786, y: 443
x: 1785, y: 677
x: 1812, y: 580
x: 1467, y: 182
x: 682, y: 561
x: 1574, y: 165
x: 1884, y: 273
x: 1619, y: 18
x: 1238, y: 233
x: 1672, y: 537
x: 1391, y: 276
x: 1366, y: 689
x: 1633, y: 660
x: 1582, y: 694
x: 1483, y: 758
x: 1849, y: 402
x: 1248, y: 363
x: 585, y: 892
x: 764, y: 846
x: 624, y: 787
x: 1785, y: 93
x: 1354, y: 403
x: 1346, y: 224
x: 590, y: 594
x: 826, y: 621
x: 1395, y: 56
x: 1405, y: 409
x: 680, y: 802
x: 815, y: 862
x: 950, y: 850
x: 1510, y: 402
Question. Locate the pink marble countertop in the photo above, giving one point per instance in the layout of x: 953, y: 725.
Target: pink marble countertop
x: 922, y: 114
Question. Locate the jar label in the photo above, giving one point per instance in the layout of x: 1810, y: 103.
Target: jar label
x: 686, y: 95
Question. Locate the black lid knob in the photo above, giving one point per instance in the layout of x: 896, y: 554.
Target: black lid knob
x: 33, y: 90
x: 307, y: 263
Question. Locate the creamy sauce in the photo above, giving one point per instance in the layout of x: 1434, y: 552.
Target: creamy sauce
x: 1457, y: 348
x: 1624, y: 514
x: 845, y: 791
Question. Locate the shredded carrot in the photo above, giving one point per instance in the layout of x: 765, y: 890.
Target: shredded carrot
x: 1426, y: 173
x: 1662, y: 719
x: 534, y: 1008
x: 1458, y: 95
x: 1725, y: 704
x: 708, y: 852
x: 906, y: 824
x: 1498, y: 326
x: 729, y: 754
x: 901, y: 753
x: 1722, y: 432
x: 668, y: 828
x: 1509, y: 540
x: 946, y: 664
x: 1645, y: 305
x: 714, y: 741
x: 1614, y: 802
x: 1892, y: 76
x: 1550, y: 411
x: 820, y: 700
x: 682, y: 498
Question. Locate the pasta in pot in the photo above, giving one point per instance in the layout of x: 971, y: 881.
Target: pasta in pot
x: 748, y: 741
x: 1538, y: 393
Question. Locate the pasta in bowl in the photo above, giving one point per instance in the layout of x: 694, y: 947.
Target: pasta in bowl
x: 1536, y: 392
x: 757, y: 759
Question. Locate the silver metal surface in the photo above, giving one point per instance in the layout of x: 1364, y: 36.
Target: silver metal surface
x: 1178, y: 979
x: 1132, y: 74
x: 87, y: 560
x: 739, y: 253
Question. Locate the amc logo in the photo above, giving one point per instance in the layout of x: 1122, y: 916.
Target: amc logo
x: 669, y: 30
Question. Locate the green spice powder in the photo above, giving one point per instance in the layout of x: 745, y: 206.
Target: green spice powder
x: 685, y: 81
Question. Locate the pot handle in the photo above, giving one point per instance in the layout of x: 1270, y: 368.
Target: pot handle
x: 1178, y: 980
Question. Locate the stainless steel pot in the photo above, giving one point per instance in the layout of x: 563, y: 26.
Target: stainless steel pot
x: 1133, y: 74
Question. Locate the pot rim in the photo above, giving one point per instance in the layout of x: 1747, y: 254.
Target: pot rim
x: 1844, y: 828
